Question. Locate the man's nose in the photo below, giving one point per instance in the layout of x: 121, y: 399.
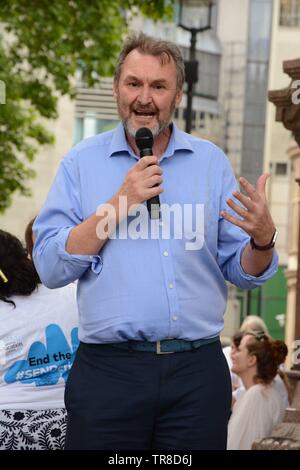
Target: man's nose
x: 145, y: 96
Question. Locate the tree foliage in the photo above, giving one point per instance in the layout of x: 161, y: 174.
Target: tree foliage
x: 42, y: 45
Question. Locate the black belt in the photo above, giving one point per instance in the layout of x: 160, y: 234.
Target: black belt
x: 165, y: 346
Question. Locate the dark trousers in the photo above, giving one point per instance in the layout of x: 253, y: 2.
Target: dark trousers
x: 120, y: 400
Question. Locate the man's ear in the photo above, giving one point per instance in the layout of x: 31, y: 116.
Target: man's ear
x: 178, y: 98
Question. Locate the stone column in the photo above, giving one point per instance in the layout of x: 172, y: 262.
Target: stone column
x: 287, y: 434
x: 292, y: 320
x: 288, y: 112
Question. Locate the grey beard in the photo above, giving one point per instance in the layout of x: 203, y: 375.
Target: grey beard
x: 156, y: 130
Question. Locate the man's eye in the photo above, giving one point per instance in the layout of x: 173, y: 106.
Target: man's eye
x: 159, y: 87
x: 133, y: 84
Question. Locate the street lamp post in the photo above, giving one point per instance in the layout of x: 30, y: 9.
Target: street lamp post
x: 186, y: 10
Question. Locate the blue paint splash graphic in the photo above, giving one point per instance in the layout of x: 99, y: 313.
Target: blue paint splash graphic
x: 45, y: 365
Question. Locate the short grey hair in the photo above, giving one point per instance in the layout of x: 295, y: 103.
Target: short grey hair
x: 144, y: 44
x: 253, y: 323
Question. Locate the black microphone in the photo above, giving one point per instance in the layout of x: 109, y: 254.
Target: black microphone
x: 144, y: 142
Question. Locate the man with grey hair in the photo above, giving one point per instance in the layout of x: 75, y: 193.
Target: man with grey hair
x: 149, y: 372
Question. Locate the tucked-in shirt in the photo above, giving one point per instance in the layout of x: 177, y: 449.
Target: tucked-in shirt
x: 139, y: 287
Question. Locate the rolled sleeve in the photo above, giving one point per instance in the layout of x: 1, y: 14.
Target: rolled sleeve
x: 94, y: 262
x: 61, y: 213
x: 57, y: 267
x: 247, y: 281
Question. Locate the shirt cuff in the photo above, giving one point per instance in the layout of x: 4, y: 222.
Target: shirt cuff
x: 95, y: 262
x: 265, y: 276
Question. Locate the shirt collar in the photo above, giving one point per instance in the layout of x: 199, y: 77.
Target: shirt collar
x: 119, y: 143
x: 179, y: 140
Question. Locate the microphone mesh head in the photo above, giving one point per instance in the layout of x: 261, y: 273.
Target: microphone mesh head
x: 144, y: 138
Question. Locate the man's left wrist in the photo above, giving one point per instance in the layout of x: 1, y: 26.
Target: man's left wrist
x: 264, y: 246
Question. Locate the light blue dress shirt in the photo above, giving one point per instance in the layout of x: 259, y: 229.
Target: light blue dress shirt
x: 145, y: 289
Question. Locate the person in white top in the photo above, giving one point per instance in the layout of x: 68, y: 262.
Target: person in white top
x: 256, y: 360
x: 38, y: 342
x: 254, y: 323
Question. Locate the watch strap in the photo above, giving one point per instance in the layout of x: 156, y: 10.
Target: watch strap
x: 270, y: 245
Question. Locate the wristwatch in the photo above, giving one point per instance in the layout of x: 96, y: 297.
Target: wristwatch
x: 270, y: 245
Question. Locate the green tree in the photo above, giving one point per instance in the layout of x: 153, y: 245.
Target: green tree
x: 42, y: 45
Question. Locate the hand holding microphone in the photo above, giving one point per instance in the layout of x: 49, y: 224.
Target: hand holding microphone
x: 144, y: 142
x: 143, y: 180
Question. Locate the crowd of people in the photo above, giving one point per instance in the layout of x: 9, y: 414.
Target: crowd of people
x: 131, y: 323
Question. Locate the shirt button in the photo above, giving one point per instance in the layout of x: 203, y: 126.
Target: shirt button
x: 174, y: 318
x: 171, y: 285
x: 161, y: 223
x: 91, y: 257
x: 166, y: 253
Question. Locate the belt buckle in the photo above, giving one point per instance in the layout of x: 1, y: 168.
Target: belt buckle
x: 158, y: 350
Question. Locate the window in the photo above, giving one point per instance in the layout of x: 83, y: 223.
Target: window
x: 279, y: 168
x: 95, y: 110
x: 208, y: 73
x: 290, y: 13
x: 89, y: 126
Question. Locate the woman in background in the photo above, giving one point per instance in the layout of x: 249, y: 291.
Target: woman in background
x: 38, y: 341
x: 254, y: 324
x: 256, y: 360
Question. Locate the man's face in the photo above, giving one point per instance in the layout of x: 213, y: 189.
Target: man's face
x: 146, y: 93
